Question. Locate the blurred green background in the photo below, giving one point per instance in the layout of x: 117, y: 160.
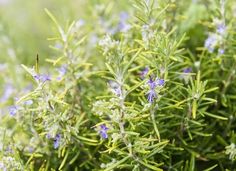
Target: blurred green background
x: 26, y: 27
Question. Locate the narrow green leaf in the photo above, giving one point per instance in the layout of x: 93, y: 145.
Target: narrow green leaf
x: 194, y: 109
x: 192, y: 163
x: 113, y: 166
x: 74, y: 158
x: 134, y: 87
x: 110, y: 69
x: 211, y: 89
x: 132, y: 60
x: 87, y: 139
x: 215, y: 116
x: 149, y: 166
x: 64, y: 161
x: 211, y: 168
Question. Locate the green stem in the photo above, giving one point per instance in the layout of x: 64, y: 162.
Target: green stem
x: 154, y: 124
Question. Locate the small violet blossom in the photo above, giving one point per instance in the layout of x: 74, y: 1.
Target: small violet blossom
x: 185, y: 74
x: 144, y: 72
x: 62, y: 71
x: 221, y: 51
x: 79, y: 23
x: 123, y: 26
x: 57, y: 141
x: 29, y: 102
x: 221, y: 28
x: 151, y: 95
x: 115, y: 88
x: 13, y: 110
x: 187, y: 70
x: 211, y: 42
x: 8, y: 91
x: 152, y: 85
x: 103, y: 131
x: 42, y: 77
x: 48, y: 136
x: 160, y: 82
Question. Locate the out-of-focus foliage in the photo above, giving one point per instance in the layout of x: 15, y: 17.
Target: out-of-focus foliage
x: 117, y: 85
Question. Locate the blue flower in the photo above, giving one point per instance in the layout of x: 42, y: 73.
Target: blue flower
x: 144, y: 72
x: 29, y: 102
x: 221, y: 51
x: 45, y: 78
x: 187, y: 70
x: 42, y: 77
x: 79, y: 23
x: 48, y: 136
x: 115, y: 88
x: 152, y: 83
x: 62, y: 71
x: 160, y: 82
x: 13, y: 110
x: 151, y: 96
x: 124, y: 16
x: 8, y: 91
x: 221, y: 28
x: 103, y: 131
x: 185, y: 75
x: 211, y: 42
x: 123, y: 26
x: 57, y: 141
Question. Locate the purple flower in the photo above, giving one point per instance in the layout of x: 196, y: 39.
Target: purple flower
x: 124, y: 16
x: 79, y: 23
x: 144, y: 72
x: 103, y: 131
x: 48, y: 136
x: 123, y: 26
x: 187, y: 70
x: 37, y: 77
x: 7, y: 93
x: 29, y: 102
x: 152, y: 83
x: 13, y: 110
x: 57, y: 141
x: 211, y: 42
x: 42, y: 77
x: 221, y: 28
x: 160, y: 82
x: 221, y: 51
x: 115, y: 88
x: 151, y: 96
x: 62, y: 71
x: 45, y: 78
x: 185, y: 75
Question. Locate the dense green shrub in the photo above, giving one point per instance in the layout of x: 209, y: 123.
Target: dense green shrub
x: 133, y: 85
